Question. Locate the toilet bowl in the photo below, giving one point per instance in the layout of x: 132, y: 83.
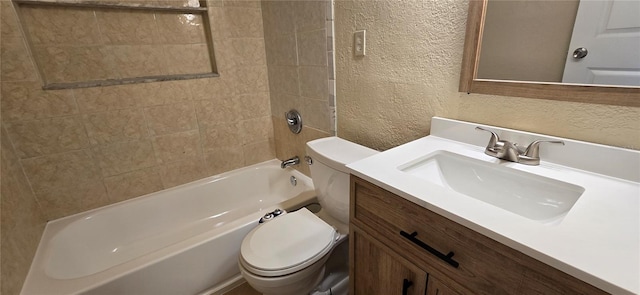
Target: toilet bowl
x: 287, y: 254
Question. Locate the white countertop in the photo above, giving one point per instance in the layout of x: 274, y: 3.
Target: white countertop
x: 598, y: 241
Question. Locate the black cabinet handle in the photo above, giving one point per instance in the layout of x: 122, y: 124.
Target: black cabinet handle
x: 405, y: 286
x: 447, y: 258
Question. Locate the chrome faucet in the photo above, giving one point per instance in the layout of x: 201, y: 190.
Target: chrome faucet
x: 290, y: 162
x: 506, y: 150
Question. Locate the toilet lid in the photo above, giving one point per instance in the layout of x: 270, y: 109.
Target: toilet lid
x: 288, y: 241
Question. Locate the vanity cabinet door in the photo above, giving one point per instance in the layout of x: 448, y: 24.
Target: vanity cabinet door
x: 436, y: 287
x: 375, y: 269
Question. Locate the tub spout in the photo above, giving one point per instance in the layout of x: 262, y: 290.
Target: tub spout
x: 290, y: 162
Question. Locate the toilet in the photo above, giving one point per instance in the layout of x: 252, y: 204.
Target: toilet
x: 287, y: 254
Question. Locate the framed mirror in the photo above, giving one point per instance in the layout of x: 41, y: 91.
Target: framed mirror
x: 470, y: 82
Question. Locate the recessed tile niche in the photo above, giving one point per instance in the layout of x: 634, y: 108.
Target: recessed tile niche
x: 98, y: 43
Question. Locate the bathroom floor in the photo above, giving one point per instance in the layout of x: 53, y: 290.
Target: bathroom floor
x: 243, y: 289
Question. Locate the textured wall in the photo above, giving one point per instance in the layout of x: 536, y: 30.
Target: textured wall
x: 68, y: 151
x: 411, y: 73
x: 298, y: 39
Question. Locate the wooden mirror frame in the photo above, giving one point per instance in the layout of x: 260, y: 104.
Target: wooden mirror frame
x: 610, y: 95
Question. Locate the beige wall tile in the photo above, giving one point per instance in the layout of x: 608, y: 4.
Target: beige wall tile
x: 63, y: 63
x: 250, y: 79
x: 259, y: 152
x: 316, y: 114
x: 278, y: 17
x: 161, y: 93
x: 124, y: 157
x: 282, y: 103
x: 241, y: 22
x: 138, y: 60
x: 9, y: 27
x: 66, y: 183
x: 312, y: 48
x: 214, y: 3
x: 47, y: 136
x: 241, y: 52
x: 133, y: 184
x: 171, y: 118
x: 284, y: 80
x: 221, y: 136
x: 286, y: 146
x: 187, y: 59
x: 289, y: 144
x: 68, y: 26
x: 22, y: 221
x: 115, y: 126
x: 255, y: 130
x: 216, y: 19
x: 314, y: 82
x: 100, y: 99
x: 181, y: 172
x: 312, y: 134
x: 127, y: 27
x: 16, y: 61
x: 254, y: 105
x: 310, y: 15
x: 281, y: 50
x: 244, y: 3
x: 218, y: 110
x: 18, y: 249
x: 175, y: 3
x: 177, y: 146
x: 180, y: 28
x: 27, y: 100
x: 19, y: 207
x: 208, y: 88
x: 224, y: 159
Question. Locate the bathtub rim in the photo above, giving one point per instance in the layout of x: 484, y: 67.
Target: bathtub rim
x: 70, y: 286
x: 275, y: 162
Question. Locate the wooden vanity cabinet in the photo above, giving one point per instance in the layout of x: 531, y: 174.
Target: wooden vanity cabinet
x: 382, y: 271
x: 393, y: 239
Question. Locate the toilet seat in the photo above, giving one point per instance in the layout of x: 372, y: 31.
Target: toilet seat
x: 287, y: 244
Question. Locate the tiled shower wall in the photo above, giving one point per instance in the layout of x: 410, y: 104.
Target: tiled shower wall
x: 67, y: 151
x: 299, y: 44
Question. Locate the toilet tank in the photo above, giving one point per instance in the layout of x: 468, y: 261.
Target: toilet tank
x: 330, y: 177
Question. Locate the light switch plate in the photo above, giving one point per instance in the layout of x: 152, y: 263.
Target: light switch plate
x: 360, y: 43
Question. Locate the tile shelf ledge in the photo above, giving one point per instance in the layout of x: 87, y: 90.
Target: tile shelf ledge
x: 124, y: 81
x: 107, y: 5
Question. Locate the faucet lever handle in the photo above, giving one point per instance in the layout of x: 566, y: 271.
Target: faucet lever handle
x: 533, y: 150
x: 493, y: 141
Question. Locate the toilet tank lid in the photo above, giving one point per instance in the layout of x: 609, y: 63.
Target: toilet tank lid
x: 336, y: 152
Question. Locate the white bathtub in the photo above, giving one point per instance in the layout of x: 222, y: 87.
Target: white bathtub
x: 182, y: 240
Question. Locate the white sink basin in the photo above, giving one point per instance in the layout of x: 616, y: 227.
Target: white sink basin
x: 532, y: 196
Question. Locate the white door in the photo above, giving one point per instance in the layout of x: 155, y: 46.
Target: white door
x: 610, y: 32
